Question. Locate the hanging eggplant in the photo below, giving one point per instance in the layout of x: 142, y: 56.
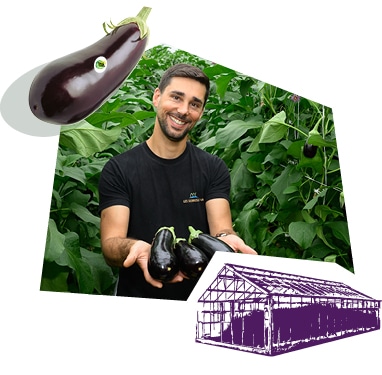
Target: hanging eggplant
x: 163, y: 264
x: 309, y: 150
x: 71, y: 88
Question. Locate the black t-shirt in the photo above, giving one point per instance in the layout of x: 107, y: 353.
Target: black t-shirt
x: 161, y: 192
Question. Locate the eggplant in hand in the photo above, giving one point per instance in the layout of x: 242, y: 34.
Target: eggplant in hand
x: 72, y: 87
x: 207, y: 243
x: 163, y: 264
x: 192, y: 260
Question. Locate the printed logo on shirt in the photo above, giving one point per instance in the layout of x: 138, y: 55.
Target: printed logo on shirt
x: 193, y: 198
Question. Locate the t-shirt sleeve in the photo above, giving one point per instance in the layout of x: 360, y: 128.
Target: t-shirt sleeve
x: 113, y: 186
x: 220, y: 183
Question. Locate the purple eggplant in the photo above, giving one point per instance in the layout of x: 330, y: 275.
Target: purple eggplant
x: 163, y: 264
x: 192, y: 260
x: 69, y: 89
x: 207, y: 243
x: 309, y: 150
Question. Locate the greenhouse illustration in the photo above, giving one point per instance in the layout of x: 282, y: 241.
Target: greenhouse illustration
x: 271, y: 313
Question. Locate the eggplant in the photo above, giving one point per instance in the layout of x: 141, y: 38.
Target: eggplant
x: 163, y: 264
x: 207, y: 243
x: 192, y: 260
x: 70, y: 88
x: 309, y: 150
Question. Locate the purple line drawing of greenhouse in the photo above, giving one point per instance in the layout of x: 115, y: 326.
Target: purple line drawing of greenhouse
x: 271, y: 313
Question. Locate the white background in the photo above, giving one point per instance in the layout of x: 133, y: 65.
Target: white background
x: 328, y: 51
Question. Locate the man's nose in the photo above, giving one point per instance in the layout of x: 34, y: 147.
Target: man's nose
x: 183, y: 108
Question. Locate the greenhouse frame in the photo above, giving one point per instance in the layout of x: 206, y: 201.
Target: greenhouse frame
x: 271, y: 313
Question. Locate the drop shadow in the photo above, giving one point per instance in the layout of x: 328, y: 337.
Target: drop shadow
x: 14, y: 108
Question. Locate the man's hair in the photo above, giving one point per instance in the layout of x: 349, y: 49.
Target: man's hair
x: 185, y: 71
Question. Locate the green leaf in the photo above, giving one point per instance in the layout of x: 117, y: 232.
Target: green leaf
x: 76, y: 173
x: 54, y: 278
x: 255, y: 163
x: 233, y: 131
x: 274, y: 129
x: 245, y: 224
x: 340, y: 230
x: 323, y: 211
x: 86, y: 139
x: 320, y: 234
x: 55, y: 240
x: 302, y: 233
x: 84, y: 214
x: 289, y: 176
x: 73, y: 259
x: 102, y: 274
x: 241, y: 178
x: 331, y: 258
x: 310, y: 204
x: 222, y: 83
x: 317, y: 140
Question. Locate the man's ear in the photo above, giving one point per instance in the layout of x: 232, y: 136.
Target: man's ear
x: 156, y: 97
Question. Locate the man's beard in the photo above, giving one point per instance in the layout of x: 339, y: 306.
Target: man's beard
x: 166, y: 129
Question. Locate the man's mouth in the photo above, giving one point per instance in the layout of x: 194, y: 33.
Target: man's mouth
x: 177, y: 122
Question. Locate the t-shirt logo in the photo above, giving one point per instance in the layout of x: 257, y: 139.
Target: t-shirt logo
x: 193, y: 198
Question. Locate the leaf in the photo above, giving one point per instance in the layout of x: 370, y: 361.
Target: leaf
x: 289, y: 176
x: 222, y: 83
x: 331, y: 258
x: 84, y: 214
x: 255, y: 163
x: 245, y: 224
x: 75, y: 173
x: 54, y: 278
x: 73, y: 259
x: 323, y: 211
x: 102, y: 274
x: 241, y: 178
x: 302, y: 233
x: 274, y: 129
x: 86, y: 139
x: 320, y: 234
x: 340, y: 230
x: 233, y: 131
x: 54, y: 246
x: 317, y: 140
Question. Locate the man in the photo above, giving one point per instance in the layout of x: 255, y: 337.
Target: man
x: 165, y: 181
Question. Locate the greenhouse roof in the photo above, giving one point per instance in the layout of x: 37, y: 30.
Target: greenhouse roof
x: 241, y: 282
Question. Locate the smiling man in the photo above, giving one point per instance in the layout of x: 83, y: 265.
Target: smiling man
x: 149, y: 187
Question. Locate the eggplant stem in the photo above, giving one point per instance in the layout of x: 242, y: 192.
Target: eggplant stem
x: 140, y: 20
x: 193, y: 233
x: 171, y: 229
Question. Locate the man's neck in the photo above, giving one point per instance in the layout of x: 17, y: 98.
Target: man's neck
x: 164, y: 147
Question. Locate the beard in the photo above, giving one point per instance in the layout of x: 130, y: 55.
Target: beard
x: 172, y: 135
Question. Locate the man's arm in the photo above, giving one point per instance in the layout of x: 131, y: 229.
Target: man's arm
x: 121, y: 251
x: 115, y: 246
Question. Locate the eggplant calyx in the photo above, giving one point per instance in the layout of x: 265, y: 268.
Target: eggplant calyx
x: 140, y: 20
x: 171, y: 229
x: 180, y: 239
x: 193, y: 233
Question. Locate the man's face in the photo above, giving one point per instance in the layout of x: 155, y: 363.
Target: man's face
x: 179, y: 107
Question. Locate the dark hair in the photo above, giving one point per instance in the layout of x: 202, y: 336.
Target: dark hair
x: 185, y: 71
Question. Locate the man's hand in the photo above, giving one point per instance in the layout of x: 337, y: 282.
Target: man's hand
x: 140, y: 254
x: 237, y: 244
